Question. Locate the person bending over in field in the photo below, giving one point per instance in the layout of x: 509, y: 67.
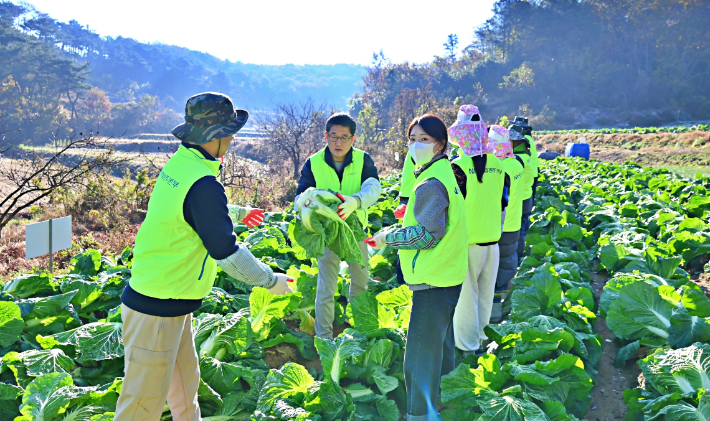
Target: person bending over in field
x: 187, y: 234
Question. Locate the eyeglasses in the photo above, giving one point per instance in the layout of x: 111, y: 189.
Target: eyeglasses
x: 341, y: 139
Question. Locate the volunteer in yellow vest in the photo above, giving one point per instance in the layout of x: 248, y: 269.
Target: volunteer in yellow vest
x: 405, y: 190
x: 508, y: 244
x: 186, y: 235
x: 352, y: 174
x: 484, y: 184
x: 527, y: 133
x: 521, y: 148
x: 432, y: 250
x: 406, y: 186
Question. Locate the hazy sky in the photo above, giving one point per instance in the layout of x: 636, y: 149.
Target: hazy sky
x: 279, y: 32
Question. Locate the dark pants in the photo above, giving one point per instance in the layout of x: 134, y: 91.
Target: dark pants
x: 508, y: 266
x: 430, y: 351
x: 525, y: 224
x: 400, y: 275
x: 534, y: 187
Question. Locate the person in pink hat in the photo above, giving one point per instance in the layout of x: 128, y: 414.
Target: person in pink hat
x: 498, y: 139
x: 484, y: 184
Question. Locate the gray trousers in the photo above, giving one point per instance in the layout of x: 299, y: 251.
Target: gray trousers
x: 525, y: 224
x: 328, y: 269
x: 508, y: 266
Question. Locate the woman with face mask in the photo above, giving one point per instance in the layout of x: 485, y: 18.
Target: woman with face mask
x: 432, y: 246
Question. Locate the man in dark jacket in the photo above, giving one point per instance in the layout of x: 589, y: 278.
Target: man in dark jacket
x: 352, y: 174
x: 188, y: 232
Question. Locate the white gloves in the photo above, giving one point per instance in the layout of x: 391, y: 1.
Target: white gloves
x: 349, y: 205
x: 281, y: 285
x: 377, y: 241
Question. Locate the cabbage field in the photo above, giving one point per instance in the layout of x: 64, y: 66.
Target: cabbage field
x: 632, y: 130
x: 60, y: 336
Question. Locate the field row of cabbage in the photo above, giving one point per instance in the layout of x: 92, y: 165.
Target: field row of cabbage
x: 63, y: 355
x: 634, y: 130
x: 651, y: 231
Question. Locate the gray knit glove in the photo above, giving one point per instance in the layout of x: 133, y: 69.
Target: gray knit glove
x: 243, y: 266
x: 237, y: 213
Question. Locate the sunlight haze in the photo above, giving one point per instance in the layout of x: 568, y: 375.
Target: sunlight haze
x: 281, y: 32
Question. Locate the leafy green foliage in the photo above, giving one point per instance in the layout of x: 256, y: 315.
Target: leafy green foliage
x: 541, y: 367
x: 319, y: 226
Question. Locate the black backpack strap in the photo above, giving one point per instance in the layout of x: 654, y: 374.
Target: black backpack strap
x: 520, y: 160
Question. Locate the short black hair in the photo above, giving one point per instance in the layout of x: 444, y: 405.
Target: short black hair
x: 341, y: 119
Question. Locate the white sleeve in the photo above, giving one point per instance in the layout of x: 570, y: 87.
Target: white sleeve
x: 369, y: 193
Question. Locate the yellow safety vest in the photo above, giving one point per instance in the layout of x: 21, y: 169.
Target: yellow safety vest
x: 408, y: 177
x: 446, y: 264
x: 483, y: 200
x: 170, y: 260
x: 533, y: 155
x: 529, y: 177
x: 327, y: 178
x: 514, y: 211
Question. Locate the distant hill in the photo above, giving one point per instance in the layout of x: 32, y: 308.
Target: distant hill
x: 59, y: 80
x: 125, y: 69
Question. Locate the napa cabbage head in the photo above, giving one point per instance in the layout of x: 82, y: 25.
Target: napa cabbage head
x: 318, y: 226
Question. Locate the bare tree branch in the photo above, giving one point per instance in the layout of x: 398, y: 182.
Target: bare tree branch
x: 293, y: 131
x: 36, y: 173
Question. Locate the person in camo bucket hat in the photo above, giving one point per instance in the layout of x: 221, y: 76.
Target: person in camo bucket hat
x: 209, y: 116
x: 187, y: 234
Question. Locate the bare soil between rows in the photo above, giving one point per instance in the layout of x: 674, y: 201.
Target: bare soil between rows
x: 607, y: 394
x: 685, y: 149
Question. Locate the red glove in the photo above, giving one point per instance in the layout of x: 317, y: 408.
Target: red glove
x: 370, y: 242
x: 254, y: 217
x: 400, y: 211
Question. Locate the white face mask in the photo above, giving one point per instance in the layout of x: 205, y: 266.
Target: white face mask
x: 422, y: 152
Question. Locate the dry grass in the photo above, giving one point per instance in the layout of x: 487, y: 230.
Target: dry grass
x: 88, y: 233
x: 12, y: 251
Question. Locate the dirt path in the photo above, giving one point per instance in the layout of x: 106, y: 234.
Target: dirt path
x: 607, y: 394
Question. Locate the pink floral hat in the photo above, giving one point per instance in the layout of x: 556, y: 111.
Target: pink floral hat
x: 469, y: 132
x: 499, y: 141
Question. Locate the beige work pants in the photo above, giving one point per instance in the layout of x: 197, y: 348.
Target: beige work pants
x: 328, y: 269
x: 473, y: 311
x: 161, y: 363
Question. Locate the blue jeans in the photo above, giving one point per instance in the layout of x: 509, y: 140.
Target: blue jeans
x: 527, y: 210
x: 430, y: 351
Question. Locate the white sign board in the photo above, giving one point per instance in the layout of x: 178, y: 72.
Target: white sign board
x: 37, y: 237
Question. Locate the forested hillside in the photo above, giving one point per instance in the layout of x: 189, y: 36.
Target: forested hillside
x: 59, y: 75
x: 565, y: 63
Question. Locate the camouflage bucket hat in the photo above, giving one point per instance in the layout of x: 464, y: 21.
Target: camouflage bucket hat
x: 209, y: 116
x: 516, y: 132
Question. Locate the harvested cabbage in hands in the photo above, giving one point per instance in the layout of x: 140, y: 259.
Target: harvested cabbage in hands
x: 319, y: 226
